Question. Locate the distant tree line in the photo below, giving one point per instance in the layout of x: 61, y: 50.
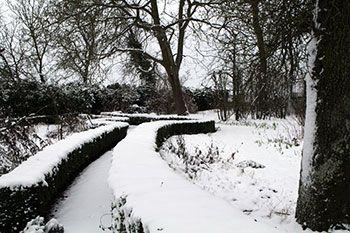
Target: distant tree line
x: 30, y: 97
x: 259, y: 47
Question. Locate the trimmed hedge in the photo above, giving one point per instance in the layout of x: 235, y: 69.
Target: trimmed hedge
x: 137, y: 119
x: 177, y: 128
x: 21, y: 204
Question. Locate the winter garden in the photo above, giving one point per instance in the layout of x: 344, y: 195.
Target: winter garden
x: 174, y: 116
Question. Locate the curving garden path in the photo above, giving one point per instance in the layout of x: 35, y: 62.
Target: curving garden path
x: 87, y: 202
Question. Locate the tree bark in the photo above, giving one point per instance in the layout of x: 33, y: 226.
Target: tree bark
x: 171, y: 66
x: 180, y: 106
x: 324, y: 189
x: 262, y: 76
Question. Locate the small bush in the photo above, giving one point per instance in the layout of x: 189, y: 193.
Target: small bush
x: 192, y: 163
x: 123, y: 219
x: 38, y: 225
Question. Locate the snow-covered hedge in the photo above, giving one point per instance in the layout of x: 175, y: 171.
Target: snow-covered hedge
x: 177, y: 128
x: 31, y: 188
x: 101, y: 120
x: 157, y: 198
x: 136, y: 119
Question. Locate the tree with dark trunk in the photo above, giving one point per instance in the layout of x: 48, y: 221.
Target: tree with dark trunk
x: 268, y: 42
x: 163, y: 22
x: 324, y: 191
x: 262, y: 81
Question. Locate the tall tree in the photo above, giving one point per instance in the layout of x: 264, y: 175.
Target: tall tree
x: 266, y: 41
x: 34, y: 35
x: 13, y: 56
x: 324, y: 191
x: 82, y: 39
x: 165, y: 23
x: 262, y: 77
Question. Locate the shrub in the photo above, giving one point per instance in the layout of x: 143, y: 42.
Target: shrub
x: 204, y: 98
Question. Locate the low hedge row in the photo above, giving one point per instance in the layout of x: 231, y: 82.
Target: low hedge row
x: 191, y: 127
x: 18, y: 205
x: 137, y: 119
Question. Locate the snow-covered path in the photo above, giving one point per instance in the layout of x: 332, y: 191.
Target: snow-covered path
x: 88, y: 199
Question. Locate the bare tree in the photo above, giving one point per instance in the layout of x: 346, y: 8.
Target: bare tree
x: 34, y: 36
x: 263, y: 44
x: 83, y: 39
x: 222, y: 100
x: 164, y: 23
x: 12, y: 56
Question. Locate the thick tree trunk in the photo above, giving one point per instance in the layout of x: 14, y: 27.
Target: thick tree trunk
x: 180, y: 106
x: 262, y: 104
x: 171, y: 66
x: 324, y: 191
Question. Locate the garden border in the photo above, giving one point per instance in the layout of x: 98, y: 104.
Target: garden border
x: 24, y: 201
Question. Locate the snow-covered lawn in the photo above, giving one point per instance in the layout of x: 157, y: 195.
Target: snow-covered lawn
x: 254, y: 165
x: 257, y: 177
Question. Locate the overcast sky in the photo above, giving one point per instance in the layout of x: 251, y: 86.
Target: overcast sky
x: 193, y: 71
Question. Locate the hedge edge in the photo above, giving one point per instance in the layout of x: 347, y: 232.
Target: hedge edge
x: 137, y: 119
x: 25, y: 203
x: 126, y: 218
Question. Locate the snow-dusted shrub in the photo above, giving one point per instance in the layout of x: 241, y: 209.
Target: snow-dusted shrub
x: 32, y: 187
x: 123, y: 219
x: 53, y: 226
x: 37, y: 225
x: 68, y: 124
x: 18, y: 142
x: 19, y: 139
x: 117, y: 97
x: 193, y: 163
x: 204, y: 98
x: 249, y: 163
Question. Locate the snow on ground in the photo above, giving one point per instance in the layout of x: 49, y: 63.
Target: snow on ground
x: 43, y: 131
x: 88, y: 200
x: 164, y: 200
x: 249, y: 184
x: 86, y: 204
x: 267, y: 194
